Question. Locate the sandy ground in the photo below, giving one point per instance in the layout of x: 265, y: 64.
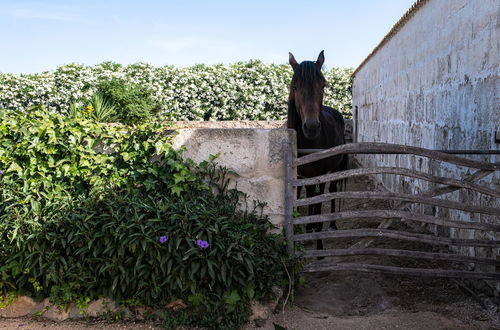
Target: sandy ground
x: 37, y: 323
x: 307, y: 320
x: 296, y: 319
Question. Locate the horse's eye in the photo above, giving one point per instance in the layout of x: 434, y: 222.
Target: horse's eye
x: 294, y: 88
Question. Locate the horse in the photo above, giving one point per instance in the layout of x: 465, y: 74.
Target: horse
x: 317, y: 127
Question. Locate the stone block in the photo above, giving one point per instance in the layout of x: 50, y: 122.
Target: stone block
x: 53, y: 312
x: 267, y: 189
x: 75, y: 313
x: 276, y: 140
x: 259, y: 312
x: 21, y: 306
x: 101, y: 306
x: 237, y: 148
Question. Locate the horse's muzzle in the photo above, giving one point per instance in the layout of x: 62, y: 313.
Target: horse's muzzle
x: 311, y: 129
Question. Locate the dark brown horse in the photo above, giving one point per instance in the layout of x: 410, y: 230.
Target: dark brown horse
x: 317, y: 127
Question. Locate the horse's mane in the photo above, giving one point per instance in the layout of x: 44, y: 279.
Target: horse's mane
x: 293, y: 118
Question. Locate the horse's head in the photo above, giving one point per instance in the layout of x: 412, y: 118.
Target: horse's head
x: 306, y: 93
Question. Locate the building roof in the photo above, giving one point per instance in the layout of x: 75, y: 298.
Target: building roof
x: 402, y: 21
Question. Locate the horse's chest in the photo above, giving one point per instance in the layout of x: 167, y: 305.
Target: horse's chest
x: 311, y: 170
x: 319, y: 168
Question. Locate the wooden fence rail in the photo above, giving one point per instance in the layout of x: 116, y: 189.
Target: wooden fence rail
x: 385, y: 217
x: 398, y: 171
x: 376, y: 215
x: 401, y: 271
x: 396, y: 253
x: 366, y: 147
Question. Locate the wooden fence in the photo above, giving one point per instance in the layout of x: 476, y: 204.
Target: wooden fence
x: 398, y: 211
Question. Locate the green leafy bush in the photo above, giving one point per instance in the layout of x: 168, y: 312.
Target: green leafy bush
x: 91, y: 210
x: 134, y: 104
x: 245, y: 90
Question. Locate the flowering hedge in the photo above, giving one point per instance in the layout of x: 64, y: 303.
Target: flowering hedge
x: 244, y: 90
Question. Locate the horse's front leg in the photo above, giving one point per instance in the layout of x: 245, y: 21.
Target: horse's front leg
x: 315, y: 209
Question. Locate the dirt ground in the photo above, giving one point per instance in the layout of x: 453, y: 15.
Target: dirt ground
x: 373, y: 301
x: 291, y: 319
x: 356, y: 301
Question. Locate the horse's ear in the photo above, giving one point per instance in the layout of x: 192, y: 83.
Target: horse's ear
x: 292, y: 61
x: 320, y: 60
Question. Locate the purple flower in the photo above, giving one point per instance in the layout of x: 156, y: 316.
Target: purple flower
x: 163, y: 239
x: 202, y: 244
x: 1, y: 172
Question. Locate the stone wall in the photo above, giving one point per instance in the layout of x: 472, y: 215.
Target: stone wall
x: 435, y: 84
x: 255, y: 154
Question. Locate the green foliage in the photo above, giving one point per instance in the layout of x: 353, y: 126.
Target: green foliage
x: 101, y: 109
x: 7, y: 299
x: 83, y: 206
x: 75, y: 110
x: 220, y: 316
x: 98, y: 108
x: 134, y: 104
x: 82, y: 303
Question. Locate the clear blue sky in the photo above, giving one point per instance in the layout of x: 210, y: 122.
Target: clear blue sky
x: 41, y: 35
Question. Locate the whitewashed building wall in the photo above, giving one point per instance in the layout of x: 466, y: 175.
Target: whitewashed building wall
x: 434, y: 83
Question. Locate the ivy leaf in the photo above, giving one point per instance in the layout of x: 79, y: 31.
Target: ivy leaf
x: 232, y: 298
x: 126, y: 156
x: 178, y: 178
x: 14, y: 167
x: 176, y: 190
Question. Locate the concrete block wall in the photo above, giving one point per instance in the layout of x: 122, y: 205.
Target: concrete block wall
x: 435, y: 84
x: 255, y: 154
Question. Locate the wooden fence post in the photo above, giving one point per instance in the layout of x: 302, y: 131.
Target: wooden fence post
x: 288, y: 157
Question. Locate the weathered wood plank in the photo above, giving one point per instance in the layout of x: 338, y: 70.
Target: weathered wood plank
x: 397, y: 148
x: 398, y: 197
x: 397, y: 171
x: 452, y: 152
x: 351, y: 267
x: 376, y: 215
x: 476, y: 176
x: 395, y: 253
x: 287, y: 146
x: 386, y: 233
